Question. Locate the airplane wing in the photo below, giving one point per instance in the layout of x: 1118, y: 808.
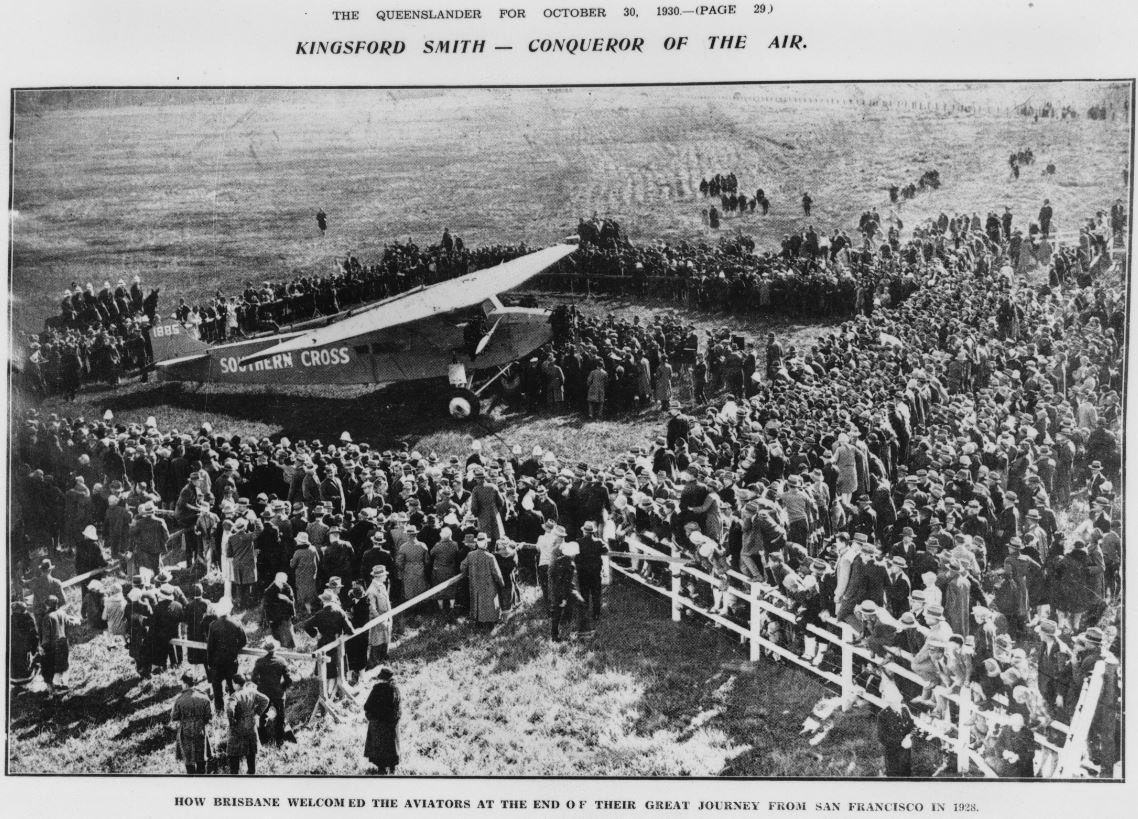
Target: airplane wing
x: 473, y: 288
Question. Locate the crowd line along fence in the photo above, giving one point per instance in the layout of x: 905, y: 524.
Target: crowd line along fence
x: 1062, y: 758
x: 1065, y: 750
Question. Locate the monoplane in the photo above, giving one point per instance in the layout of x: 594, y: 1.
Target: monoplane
x: 421, y: 334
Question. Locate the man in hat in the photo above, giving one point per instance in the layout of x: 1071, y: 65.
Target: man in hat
x: 43, y: 586
x: 1054, y: 666
x: 590, y: 567
x: 565, y: 600
x: 338, y: 556
x: 168, y: 616
x: 224, y: 642
x: 895, y: 728
x: 484, y: 580
x: 197, y: 617
x: 379, y: 635
x: 244, y: 711
x: 193, y: 714
x: 278, y: 605
x: 148, y: 537
x: 377, y: 554
x: 487, y: 505
x: 327, y: 625
x: 1022, y: 574
x: 195, y: 495
x: 898, y: 587
x: 273, y: 679
x: 548, y: 544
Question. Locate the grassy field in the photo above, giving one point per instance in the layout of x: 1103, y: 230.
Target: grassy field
x: 196, y: 190
x: 200, y: 190
x: 645, y: 698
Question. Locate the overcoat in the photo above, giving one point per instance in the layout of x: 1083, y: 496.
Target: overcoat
x: 243, y: 712
x: 378, y: 603
x: 445, y: 558
x: 485, y: 581
x: 411, y: 563
x: 382, y: 710
x: 192, y: 712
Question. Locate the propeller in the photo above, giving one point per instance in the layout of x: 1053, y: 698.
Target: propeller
x: 485, y: 340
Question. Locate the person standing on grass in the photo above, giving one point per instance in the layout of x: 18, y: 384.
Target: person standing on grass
x: 55, y: 643
x: 192, y: 713
x: 565, y: 600
x: 224, y: 642
x: 278, y: 606
x: 382, y: 709
x: 895, y: 728
x: 379, y: 603
x: 244, y: 711
x: 272, y: 678
x: 481, y: 572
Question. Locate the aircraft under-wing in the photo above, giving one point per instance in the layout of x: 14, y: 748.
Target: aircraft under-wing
x: 419, y: 334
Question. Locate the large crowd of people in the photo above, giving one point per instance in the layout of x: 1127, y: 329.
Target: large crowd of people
x: 941, y: 472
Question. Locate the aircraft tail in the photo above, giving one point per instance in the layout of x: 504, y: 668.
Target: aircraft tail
x: 171, y: 340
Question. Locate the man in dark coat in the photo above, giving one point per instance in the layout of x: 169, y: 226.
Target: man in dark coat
x: 224, y: 642
x: 895, y: 728
x: 327, y: 625
x: 590, y: 563
x: 565, y: 600
x: 278, y: 605
x: 193, y: 714
x: 194, y: 615
x: 168, y: 617
x: 273, y: 680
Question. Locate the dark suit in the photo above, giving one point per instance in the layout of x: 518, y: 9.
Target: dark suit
x: 565, y: 598
x: 223, y: 646
x: 272, y: 679
x: 589, y: 565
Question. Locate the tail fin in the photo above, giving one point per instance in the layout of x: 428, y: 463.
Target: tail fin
x: 171, y: 340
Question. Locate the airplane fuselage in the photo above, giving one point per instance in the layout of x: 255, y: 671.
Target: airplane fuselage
x: 419, y: 350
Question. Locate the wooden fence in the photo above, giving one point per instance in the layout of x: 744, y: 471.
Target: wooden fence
x: 762, y: 601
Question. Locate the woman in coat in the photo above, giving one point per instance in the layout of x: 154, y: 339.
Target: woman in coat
x: 382, y: 709
x: 445, y: 559
x: 305, y: 563
x: 411, y: 564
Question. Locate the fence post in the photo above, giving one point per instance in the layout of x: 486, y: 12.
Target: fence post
x: 963, y: 730
x: 1071, y: 756
x: 848, y: 695
x: 756, y: 621
x: 677, y: 609
x: 321, y: 676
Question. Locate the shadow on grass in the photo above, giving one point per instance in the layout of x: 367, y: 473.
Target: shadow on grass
x: 72, y: 715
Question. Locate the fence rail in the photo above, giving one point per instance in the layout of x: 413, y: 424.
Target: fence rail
x: 1068, y: 757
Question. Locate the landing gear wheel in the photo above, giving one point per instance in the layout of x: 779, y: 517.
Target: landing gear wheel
x: 463, y: 405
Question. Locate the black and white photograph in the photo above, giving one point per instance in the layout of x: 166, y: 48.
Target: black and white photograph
x: 752, y: 430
